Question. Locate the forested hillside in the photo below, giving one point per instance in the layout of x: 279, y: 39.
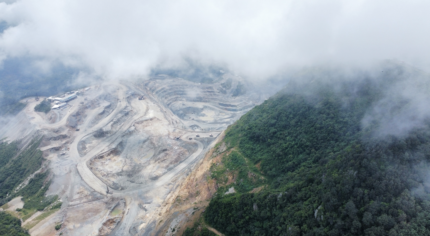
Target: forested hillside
x: 15, y: 167
x: 10, y: 225
x: 323, y: 172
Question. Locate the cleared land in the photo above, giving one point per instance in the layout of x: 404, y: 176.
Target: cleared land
x: 119, y: 151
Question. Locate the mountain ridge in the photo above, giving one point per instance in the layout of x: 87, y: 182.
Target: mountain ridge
x: 327, y: 174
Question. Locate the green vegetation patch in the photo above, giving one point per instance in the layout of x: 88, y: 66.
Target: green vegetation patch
x: 44, y: 106
x: 5, y: 206
x: 219, y: 173
x: 116, y: 212
x: 34, y: 197
x: 326, y: 174
x: 16, y: 170
x: 198, y: 229
x: 34, y: 193
x: 39, y: 218
x: 57, y: 205
x: 7, y: 152
x: 10, y: 225
x: 25, y: 214
x: 241, y: 169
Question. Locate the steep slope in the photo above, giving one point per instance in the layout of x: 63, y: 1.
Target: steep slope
x: 15, y: 171
x: 24, y: 183
x: 322, y: 168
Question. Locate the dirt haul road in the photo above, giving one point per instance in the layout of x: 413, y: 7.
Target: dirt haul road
x: 86, y: 174
x: 133, y: 147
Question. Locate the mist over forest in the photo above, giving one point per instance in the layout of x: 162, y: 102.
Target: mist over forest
x: 334, y: 157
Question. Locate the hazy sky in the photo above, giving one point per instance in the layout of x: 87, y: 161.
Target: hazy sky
x: 119, y: 39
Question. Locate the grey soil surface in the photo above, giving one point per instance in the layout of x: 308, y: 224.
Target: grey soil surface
x: 119, y: 150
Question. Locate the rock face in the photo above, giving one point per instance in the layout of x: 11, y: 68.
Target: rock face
x: 255, y: 207
x: 108, y: 226
x: 230, y: 191
x: 112, y: 220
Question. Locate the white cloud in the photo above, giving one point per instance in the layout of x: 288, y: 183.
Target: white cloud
x: 126, y: 38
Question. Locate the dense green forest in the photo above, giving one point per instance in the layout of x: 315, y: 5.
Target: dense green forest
x: 7, y: 152
x: 34, y: 193
x: 323, y: 172
x: 10, y: 225
x: 16, y: 166
x: 16, y: 169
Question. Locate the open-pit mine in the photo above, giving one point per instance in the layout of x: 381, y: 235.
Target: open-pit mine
x: 120, y: 149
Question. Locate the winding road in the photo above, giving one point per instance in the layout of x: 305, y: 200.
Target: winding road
x: 142, y: 111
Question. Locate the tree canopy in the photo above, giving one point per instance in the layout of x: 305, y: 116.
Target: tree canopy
x: 10, y: 225
x: 326, y: 173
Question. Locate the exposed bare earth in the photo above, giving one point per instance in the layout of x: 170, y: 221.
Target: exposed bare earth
x: 194, y: 194
x: 14, y: 204
x: 122, y: 154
